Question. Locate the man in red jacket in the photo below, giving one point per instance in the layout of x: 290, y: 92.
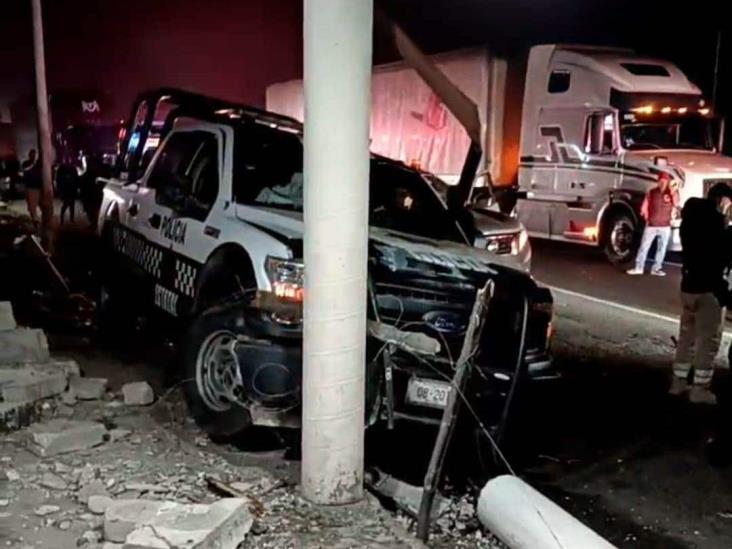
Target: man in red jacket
x: 658, y: 209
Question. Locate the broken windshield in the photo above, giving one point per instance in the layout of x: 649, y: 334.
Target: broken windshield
x: 268, y: 172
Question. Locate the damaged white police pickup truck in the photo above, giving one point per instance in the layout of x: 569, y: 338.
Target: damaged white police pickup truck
x: 203, y: 221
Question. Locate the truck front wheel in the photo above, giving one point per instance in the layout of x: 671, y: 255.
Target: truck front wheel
x: 213, y: 387
x: 621, y: 238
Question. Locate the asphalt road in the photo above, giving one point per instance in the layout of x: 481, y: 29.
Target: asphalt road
x: 586, y: 271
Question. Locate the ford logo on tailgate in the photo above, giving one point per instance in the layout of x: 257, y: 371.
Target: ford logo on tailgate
x: 446, y: 322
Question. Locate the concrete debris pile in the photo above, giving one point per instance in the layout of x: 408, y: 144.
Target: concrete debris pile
x: 75, y: 483
x: 454, y: 521
x: 141, y: 524
x: 33, y: 383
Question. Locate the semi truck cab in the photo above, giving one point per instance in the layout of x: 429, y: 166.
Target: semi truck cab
x: 598, y: 126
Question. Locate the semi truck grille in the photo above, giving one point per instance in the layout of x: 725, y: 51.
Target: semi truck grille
x: 709, y: 183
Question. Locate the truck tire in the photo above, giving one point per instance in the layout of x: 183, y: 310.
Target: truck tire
x: 211, y: 377
x: 621, y: 238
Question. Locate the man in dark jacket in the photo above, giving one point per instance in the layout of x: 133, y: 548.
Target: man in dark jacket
x: 704, y: 291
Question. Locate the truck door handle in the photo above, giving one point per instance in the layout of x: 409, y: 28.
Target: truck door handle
x: 133, y: 209
x: 154, y: 221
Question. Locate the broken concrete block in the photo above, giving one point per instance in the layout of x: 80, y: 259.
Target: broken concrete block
x: 89, y: 537
x: 99, y: 504
x: 68, y: 398
x: 16, y: 415
x: 23, y: 346
x: 88, y: 388
x: 90, y: 490
x: 138, y: 393
x: 52, y: 482
x: 59, y: 436
x: 28, y: 383
x: 12, y: 475
x: 123, y: 516
x: 45, y: 510
x: 68, y: 366
x: 119, y: 434
x: 220, y: 525
x: 145, y: 538
x: 7, y: 319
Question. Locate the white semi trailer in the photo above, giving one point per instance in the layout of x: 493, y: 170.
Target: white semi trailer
x: 578, y: 132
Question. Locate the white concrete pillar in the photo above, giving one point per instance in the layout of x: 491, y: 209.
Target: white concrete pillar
x: 337, y: 82
x: 523, y: 518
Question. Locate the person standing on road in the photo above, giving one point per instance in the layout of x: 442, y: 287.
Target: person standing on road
x: 705, y: 256
x: 657, y: 211
x: 67, y: 187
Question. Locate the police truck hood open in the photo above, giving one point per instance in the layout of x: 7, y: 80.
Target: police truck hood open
x: 288, y: 224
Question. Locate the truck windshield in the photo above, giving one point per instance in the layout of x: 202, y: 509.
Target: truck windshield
x: 268, y: 172
x: 690, y: 132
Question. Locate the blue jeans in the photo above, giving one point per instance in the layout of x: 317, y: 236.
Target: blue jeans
x: 649, y: 235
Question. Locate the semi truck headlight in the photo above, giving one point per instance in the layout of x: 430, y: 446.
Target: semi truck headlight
x: 286, y: 278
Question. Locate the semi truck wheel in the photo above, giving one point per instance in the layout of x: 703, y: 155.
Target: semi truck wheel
x: 212, y: 382
x: 621, y: 238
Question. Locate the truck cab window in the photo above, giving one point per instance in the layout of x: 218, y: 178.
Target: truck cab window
x: 185, y: 174
x: 600, y: 133
x: 268, y: 169
x: 204, y: 175
x: 559, y: 81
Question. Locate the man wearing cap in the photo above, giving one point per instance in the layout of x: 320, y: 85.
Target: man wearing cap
x: 706, y: 257
x: 657, y: 211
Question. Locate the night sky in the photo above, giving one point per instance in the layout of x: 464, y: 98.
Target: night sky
x: 234, y: 49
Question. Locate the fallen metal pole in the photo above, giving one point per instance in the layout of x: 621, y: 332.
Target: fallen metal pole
x: 449, y: 416
x: 523, y: 518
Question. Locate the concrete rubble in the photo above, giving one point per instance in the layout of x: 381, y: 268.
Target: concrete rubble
x: 74, y: 472
x: 138, y: 393
x: 23, y: 346
x: 88, y: 388
x: 28, y: 373
x: 99, y: 504
x: 149, y: 489
x: 7, y: 319
x: 166, y: 525
x: 60, y: 436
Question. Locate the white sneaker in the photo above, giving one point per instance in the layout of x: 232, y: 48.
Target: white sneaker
x: 678, y: 386
x: 634, y: 271
x: 658, y: 272
x: 700, y: 394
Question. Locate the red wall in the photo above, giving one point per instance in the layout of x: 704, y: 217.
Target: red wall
x: 229, y: 49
